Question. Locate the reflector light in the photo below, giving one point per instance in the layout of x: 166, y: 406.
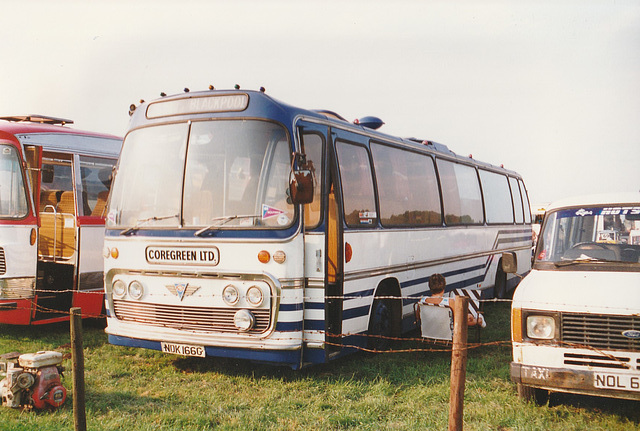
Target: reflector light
x: 115, y: 253
x: 348, y: 252
x: 33, y: 236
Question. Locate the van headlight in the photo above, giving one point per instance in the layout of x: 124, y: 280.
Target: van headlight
x: 541, y: 327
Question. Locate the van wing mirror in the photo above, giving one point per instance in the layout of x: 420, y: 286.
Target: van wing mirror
x: 302, y: 179
x: 509, y: 263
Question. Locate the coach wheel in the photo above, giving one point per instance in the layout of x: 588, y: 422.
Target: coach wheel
x: 380, y: 325
x: 531, y: 394
x: 500, y: 288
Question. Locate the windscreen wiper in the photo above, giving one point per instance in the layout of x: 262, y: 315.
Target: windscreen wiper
x: 219, y: 221
x: 144, y: 221
x: 582, y: 260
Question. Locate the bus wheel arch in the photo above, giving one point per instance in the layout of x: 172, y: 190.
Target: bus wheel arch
x: 385, y: 317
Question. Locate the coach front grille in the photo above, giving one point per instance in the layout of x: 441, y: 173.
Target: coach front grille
x: 600, y: 331
x: 207, y: 319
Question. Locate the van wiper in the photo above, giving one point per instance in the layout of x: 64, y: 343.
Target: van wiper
x: 219, y: 221
x: 144, y: 221
x: 583, y: 259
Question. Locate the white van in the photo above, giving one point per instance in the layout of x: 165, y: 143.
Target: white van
x: 575, y: 318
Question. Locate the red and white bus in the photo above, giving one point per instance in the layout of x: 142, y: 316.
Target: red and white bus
x: 54, y: 182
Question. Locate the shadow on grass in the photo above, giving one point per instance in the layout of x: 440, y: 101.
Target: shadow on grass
x: 628, y: 409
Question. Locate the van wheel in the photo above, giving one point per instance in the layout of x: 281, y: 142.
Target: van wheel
x: 500, y: 287
x: 380, y: 325
x: 531, y: 394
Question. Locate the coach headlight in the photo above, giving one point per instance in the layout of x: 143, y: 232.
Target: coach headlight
x: 244, y: 320
x: 230, y: 295
x: 541, y: 327
x: 136, y: 290
x: 254, y: 296
x: 119, y: 289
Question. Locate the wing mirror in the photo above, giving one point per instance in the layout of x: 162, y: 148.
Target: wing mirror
x: 302, y: 179
x: 509, y: 263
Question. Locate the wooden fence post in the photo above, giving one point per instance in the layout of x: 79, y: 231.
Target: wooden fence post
x: 458, y: 362
x: 77, y: 363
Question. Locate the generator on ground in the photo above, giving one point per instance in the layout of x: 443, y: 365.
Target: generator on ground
x: 32, y: 380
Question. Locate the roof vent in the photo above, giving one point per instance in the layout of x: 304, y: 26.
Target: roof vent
x: 370, y: 122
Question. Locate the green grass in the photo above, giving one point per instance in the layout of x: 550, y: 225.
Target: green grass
x: 136, y: 389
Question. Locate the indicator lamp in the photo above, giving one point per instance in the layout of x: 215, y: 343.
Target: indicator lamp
x: 263, y: 256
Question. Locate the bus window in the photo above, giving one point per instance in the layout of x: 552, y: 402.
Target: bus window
x: 460, y: 193
x: 525, y: 201
x: 517, y: 200
x: 407, y: 187
x: 497, y: 198
x: 13, y: 198
x: 357, y: 187
x: 154, y: 183
x: 96, y: 182
x: 238, y: 171
x: 58, y: 192
x: 313, y: 144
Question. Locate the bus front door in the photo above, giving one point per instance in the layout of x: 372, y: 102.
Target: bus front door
x: 323, y: 281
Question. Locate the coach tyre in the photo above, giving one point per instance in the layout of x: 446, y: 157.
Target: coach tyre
x: 380, y: 325
x: 500, y: 286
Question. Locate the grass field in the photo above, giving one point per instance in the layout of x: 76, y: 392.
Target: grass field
x: 136, y: 389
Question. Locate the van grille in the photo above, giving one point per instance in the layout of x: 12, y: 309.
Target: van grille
x: 3, y: 263
x: 600, y: 331
x: 188, y: 318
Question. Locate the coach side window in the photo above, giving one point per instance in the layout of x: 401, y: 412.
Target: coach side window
x: 525, y: 201
x: 95, y: 176
x: 407, y: 187
x: 460, y: 193
x: 517, y: 200
x: 497, y: 198
x: 357, y: 186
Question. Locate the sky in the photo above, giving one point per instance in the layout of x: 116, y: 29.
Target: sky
x: 550, y: 89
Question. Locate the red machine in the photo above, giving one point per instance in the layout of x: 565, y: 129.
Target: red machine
x: 33, y: 381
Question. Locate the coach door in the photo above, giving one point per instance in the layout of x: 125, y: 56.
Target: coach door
x: 323, y: 270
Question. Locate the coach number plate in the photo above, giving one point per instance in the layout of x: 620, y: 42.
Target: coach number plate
x: 183, y: 349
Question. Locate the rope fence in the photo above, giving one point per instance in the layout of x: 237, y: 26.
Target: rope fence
x: 420, y: 342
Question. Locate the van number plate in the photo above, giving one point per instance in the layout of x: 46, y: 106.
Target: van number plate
x: 183, y: 349
x: 622, y: 382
